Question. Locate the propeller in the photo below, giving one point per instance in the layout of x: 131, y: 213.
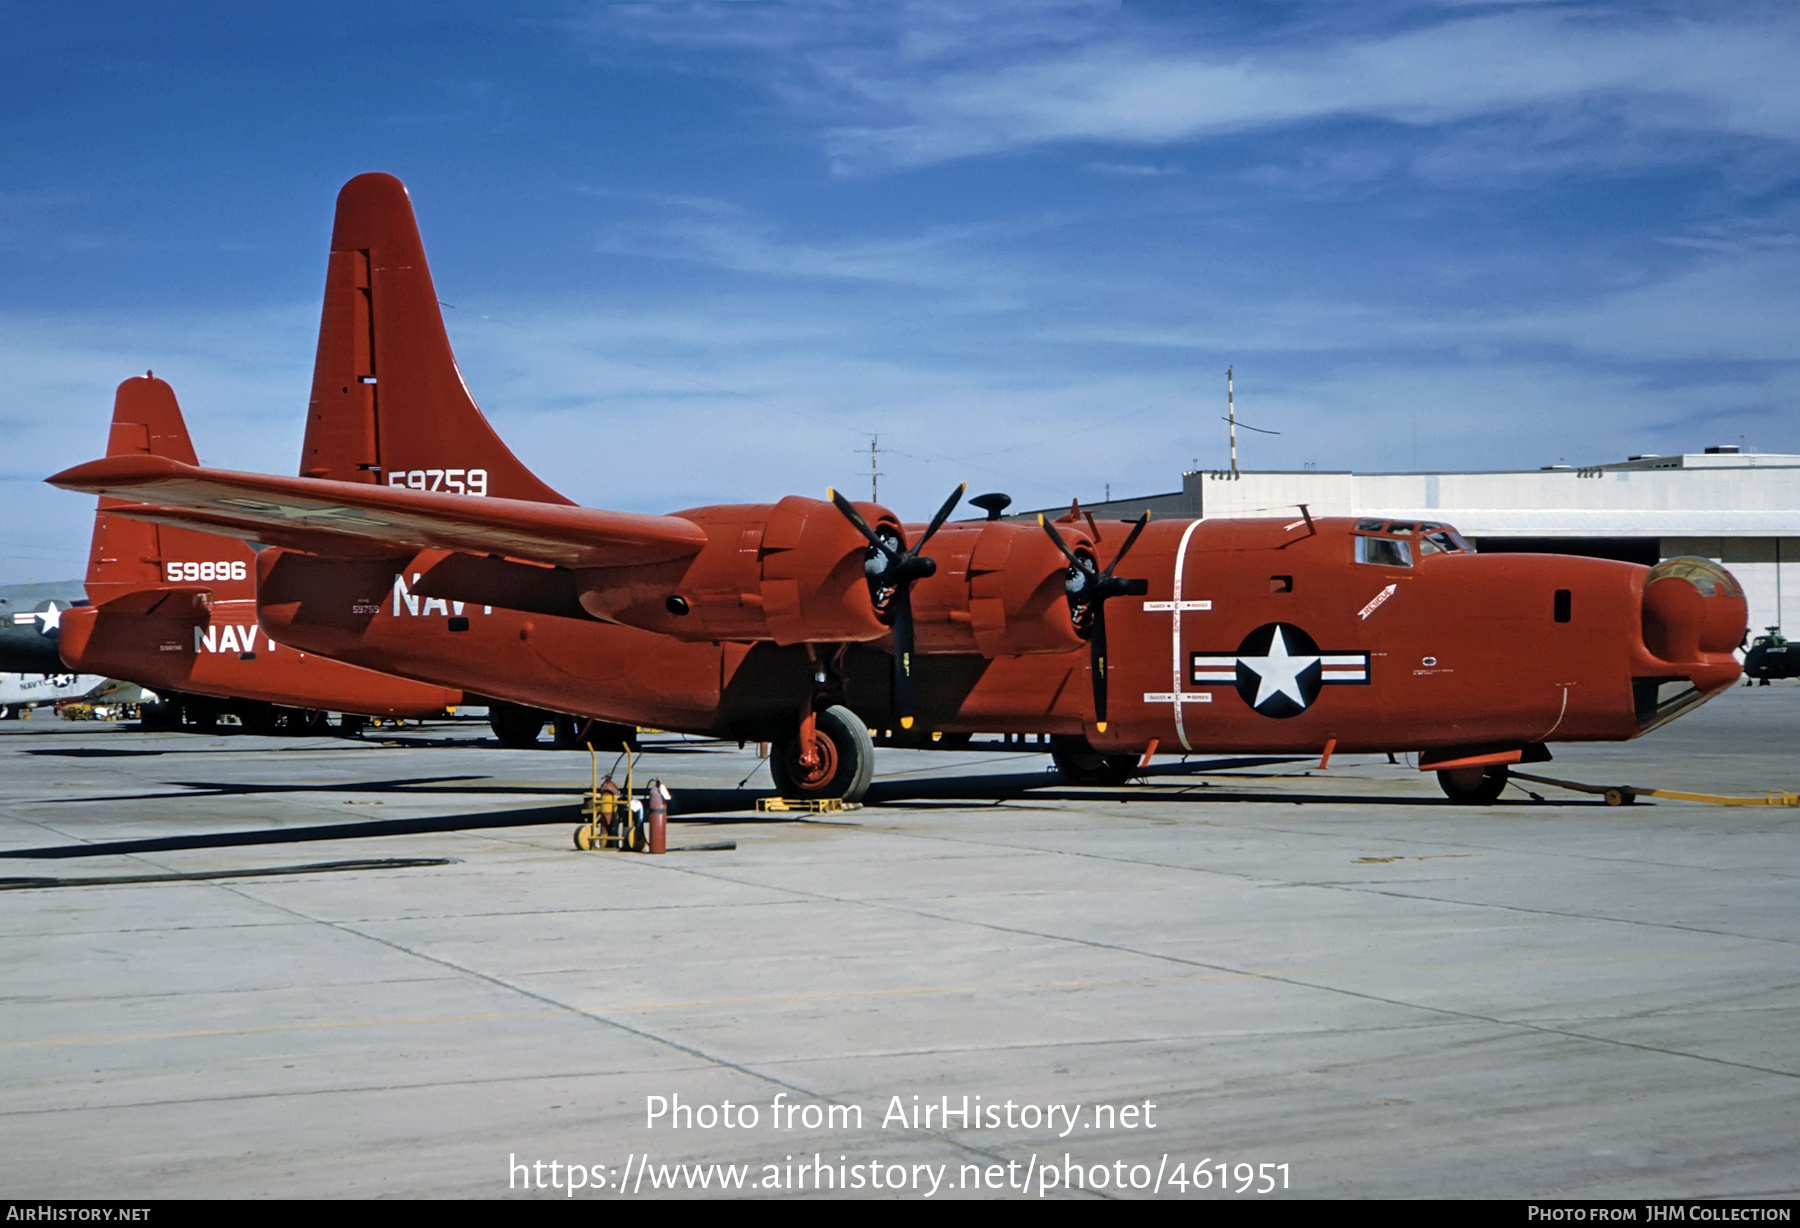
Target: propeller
x: 892, y: 570
x: 1089, y: 588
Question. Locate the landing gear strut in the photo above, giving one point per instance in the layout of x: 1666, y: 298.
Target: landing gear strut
x: 838, y: 760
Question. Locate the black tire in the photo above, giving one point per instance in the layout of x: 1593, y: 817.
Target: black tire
x: 351, y: 725
x: 161, y: 716
x: 516, y: 725
x: 847, y: 759
x: 1081, y: 764
x: 264, y: 720
x: 1462, y: 786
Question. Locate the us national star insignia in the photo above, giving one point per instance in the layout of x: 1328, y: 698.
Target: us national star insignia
x: 1279, y: 670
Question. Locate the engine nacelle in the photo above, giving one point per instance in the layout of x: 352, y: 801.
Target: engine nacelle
x: 998, y: 591
x: 789, y: 572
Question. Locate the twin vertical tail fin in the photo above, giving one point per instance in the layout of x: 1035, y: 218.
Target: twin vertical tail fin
x: 129, y: 556
x: 389, y: 405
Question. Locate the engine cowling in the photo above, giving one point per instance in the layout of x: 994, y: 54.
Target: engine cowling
x: 789, y: 572
x: 998, y: 592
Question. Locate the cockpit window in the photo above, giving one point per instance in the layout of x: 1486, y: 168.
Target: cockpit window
x: 1385, y: 551
x: 1439, y: 543
x: 1401, y: 530
x: 1370, y: 526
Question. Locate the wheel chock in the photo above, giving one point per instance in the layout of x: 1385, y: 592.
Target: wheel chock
x: 807, y: 805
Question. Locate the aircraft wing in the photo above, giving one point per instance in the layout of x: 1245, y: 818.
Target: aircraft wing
x: 360, y: 520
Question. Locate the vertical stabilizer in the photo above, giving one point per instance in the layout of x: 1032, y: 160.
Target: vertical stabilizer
x: 129, y: 555
x: 388, y: 403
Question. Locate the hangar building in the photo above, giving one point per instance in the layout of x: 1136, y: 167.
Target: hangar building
x: 1739, y: 508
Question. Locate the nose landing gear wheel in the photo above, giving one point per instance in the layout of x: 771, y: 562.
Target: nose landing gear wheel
x: 845, y: 759
x: 1473, y: 786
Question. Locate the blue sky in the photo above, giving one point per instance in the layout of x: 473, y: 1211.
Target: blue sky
x: 701, y: 251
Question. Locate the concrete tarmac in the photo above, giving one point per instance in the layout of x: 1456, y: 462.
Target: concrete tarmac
x: 1330, y: 982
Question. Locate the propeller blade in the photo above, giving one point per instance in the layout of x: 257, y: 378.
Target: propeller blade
x: 1058, y: 539
x: 1135, y: 530
x: 903, y: 655
x: 1097, y: 658
x: 937, y: 521
x: 856, y: 518
x: 895, y: 578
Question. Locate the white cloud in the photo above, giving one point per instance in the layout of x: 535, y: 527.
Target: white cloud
x: 916, y: 83
x: 712, y: 233
x: 1733, y: 78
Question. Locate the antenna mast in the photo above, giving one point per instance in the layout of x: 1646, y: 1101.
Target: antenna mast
x: 1231, y: 417
x: 874, y: 476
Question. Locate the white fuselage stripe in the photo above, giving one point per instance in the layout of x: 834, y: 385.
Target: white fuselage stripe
x: 1180, y: 566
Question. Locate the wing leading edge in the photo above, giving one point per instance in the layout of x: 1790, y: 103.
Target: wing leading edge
x: 358, y: 520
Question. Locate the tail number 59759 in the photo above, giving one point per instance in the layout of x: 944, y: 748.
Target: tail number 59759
x: 455, y: 481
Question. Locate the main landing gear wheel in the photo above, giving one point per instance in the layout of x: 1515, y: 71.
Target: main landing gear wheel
x: 517, y: 726
x: 846, y: 759
x: 1473, y: 786
x: 1081, y: 764
x: 263, y: 719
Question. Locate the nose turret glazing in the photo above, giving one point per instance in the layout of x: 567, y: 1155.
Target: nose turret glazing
x: 1694, y: 615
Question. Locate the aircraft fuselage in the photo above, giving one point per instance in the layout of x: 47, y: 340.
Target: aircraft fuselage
x: 1254, y: 635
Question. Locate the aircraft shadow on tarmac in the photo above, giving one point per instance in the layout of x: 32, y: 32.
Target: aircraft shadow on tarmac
x: 95, y: 752
x: 230, y: 788
x: 529, y: 817
x: 702, y: 806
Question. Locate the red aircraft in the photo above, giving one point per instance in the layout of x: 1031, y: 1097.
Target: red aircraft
x: 806, y: 622
x: 175, y: 610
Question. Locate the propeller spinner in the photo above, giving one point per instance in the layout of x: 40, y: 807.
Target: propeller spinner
x: 892, y: 570
x: 1089, y: 589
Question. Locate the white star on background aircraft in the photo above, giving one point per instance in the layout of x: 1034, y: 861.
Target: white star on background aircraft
x: 1279, y: 672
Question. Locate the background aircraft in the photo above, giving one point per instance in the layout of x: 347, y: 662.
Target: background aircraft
x: 415, y: 542
x: 21, y: 691
x: 31, y: 624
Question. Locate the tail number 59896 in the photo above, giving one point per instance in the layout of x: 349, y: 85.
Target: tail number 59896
x: 179, y: 573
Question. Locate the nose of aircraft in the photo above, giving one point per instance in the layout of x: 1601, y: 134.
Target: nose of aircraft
x: 1694, y: 615
x: 1692, y: 606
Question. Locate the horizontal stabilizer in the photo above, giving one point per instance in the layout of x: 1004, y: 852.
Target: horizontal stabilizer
x: 352, y: 519
x: 170, y: 602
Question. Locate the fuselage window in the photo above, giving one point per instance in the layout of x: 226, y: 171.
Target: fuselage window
x: 1384, y: 551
